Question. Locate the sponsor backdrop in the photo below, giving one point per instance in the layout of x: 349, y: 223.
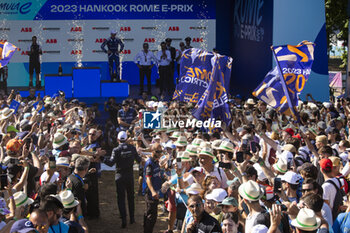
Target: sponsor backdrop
x: 255, y: 25
x: 71, y: 32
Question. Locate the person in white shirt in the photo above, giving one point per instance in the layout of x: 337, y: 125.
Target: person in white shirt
x: 143, y: 60
x: 164, y: 59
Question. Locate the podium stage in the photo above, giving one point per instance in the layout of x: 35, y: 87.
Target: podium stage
x: 85, y: 82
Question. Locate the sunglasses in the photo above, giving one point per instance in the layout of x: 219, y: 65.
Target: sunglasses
x: 158, y: 151
x: 197, y: 205
x: 92, y: 134
x: 306, y: 190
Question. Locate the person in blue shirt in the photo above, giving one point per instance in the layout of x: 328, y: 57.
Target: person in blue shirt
x: 154, y: 184
x: 126, y: 116
x: 53, y: 208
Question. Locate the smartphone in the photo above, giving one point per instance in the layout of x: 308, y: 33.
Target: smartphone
x: 253, y: 146
x: 277, y: 185
x: 52, y: 162
x: 239, y: 157
x: 3, y: 181
x: 178, y: 162
x: 225, y: 165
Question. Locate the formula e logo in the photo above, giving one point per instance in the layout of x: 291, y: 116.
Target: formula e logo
x: 174, y: 28
x: 14, y: 8
x: 152, y: 120
x: 26, y: 30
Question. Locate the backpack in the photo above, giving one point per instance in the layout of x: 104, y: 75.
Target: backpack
x: 338, y: 200
x: 346, y: 185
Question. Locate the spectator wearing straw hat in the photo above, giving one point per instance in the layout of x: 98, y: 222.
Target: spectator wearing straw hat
x: 64, y: 170
x: 251, y: 193
x: 206, y: 161
x: 71, y: 207
x: 59, y: 144
x: 306, y: 221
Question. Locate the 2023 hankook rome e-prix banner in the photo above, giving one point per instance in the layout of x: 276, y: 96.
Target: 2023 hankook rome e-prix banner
x: 71, y: 32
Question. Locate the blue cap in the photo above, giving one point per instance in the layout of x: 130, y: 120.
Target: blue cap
x: 22, y: 226
x: 238, y: 96
x: 113, y: 31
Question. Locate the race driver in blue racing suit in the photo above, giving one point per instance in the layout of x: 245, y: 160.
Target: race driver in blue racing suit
x: 113, y: 51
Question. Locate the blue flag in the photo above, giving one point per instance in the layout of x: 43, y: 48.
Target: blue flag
x: 14, y: 105
x: 35, y: 105
x: 214, y: 102
x: 294, y: 65
x: 195, y: 72
x: 6, y: 52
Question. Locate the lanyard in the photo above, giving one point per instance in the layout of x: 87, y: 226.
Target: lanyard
x: 145, y: 54
x: 77, y: 176
x: 59, y: 225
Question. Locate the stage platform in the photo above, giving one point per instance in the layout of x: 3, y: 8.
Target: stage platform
x: 133, y: 92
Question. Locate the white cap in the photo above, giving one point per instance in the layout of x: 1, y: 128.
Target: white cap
x: 291, y: 177
x: 113, y: 31
x: 170, y: 145
x: 217, y: 195
x: 261, y: 174
x: 259, y: 229
x: 122, y: 136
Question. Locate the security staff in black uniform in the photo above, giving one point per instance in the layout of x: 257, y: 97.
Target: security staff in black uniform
x: 172, y: 63
x: 123, y: 157
x: 113, y: 51
x: 34, y: 62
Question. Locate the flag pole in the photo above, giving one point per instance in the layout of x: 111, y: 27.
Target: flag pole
x: 285, y: 89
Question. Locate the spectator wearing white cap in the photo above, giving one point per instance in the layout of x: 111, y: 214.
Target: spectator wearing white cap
x: 290, y: 182
x: 212, y: 201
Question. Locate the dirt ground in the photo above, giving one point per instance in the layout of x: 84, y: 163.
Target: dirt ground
x: 109, y: 221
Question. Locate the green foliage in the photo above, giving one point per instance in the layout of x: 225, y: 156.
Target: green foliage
x: 337, y: 24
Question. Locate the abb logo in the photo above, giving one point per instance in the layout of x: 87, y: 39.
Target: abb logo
x: 2, y: 40
x: 126, y: 51
x: 26, y: 30
x: 150, y: 40
x: 125, y: 29
x: 76, y: 29
x: 100, y: 40
x: 75, y: 52
x: 197, y: 40
x: 176, y: 28
x: 51, y: 41
x: 24, y: 52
